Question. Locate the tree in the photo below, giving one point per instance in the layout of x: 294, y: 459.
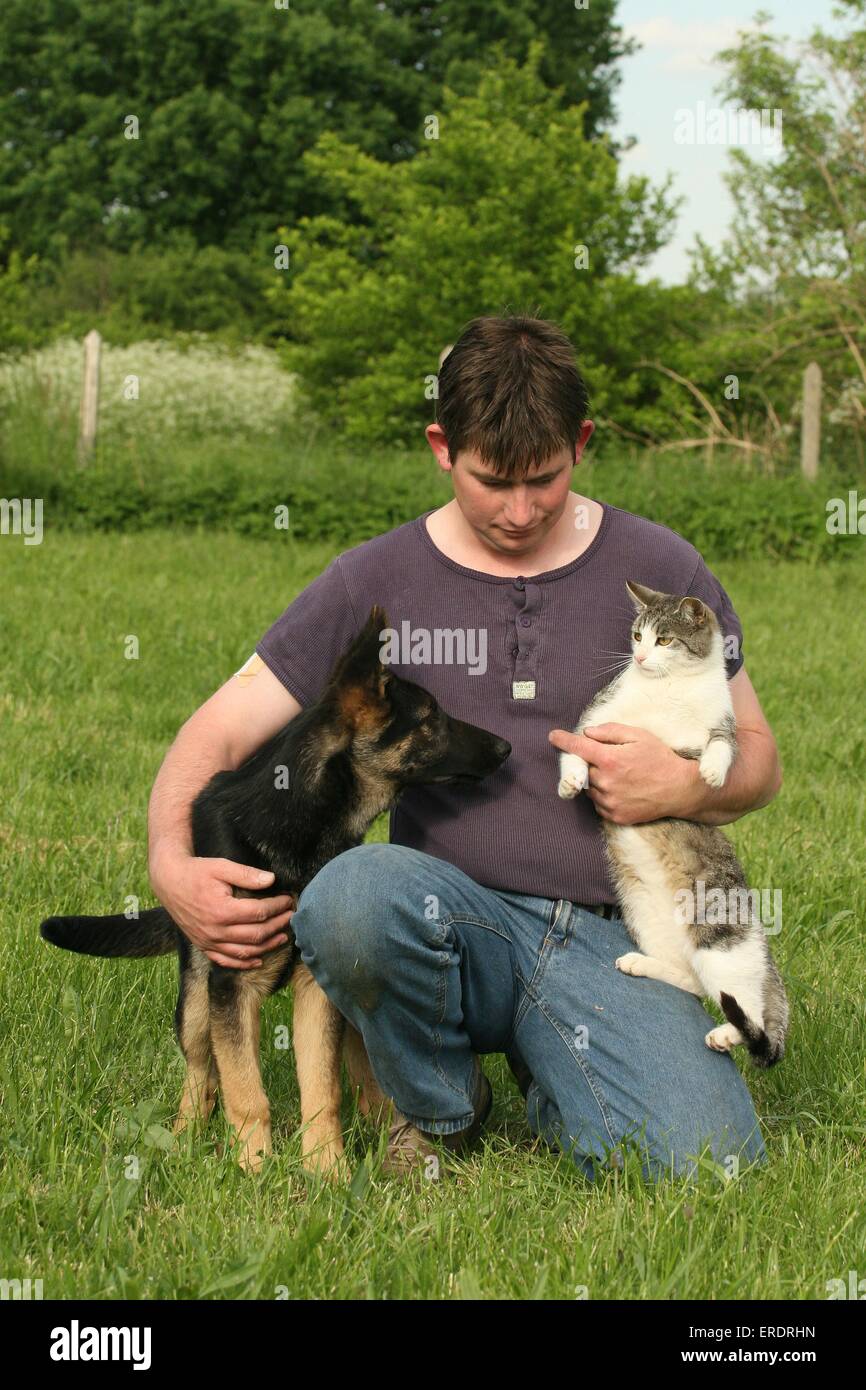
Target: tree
x: 789, y: 283
x: 508, y: 205
x: 229, y: 95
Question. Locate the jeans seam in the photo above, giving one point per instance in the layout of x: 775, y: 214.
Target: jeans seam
x: 441, y: 1002
x: 473, y: 921
x: 557, y: 905
x: 589, y: 1076
x: 546, y: 946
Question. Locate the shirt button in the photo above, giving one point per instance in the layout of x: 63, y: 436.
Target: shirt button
x: 519, y: 583
x: 525, y: 622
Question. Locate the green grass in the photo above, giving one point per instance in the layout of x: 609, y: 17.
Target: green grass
x: 89, y: 1072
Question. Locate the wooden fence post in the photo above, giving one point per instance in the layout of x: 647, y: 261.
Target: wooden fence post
x: 89, y: 397
x: 810, y: 439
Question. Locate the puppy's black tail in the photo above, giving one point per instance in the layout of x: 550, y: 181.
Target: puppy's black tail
x: 765, y: 1048
x: 152, y: 933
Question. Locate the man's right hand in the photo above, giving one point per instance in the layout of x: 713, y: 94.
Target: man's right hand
x: 234, y: 932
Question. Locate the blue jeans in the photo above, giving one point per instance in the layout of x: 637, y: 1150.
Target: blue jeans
x: 431, y: 967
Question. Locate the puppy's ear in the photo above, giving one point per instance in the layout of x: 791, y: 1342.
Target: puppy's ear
x: 361, y: 662
x: 378, y: 618
x: 693, y: 609
x: 641, y: 596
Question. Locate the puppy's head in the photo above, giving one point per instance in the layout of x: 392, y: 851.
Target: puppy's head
x: 395, y: 729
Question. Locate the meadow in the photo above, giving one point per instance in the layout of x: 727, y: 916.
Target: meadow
x: 98, y: 1199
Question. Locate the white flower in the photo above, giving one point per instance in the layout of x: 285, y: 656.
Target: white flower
x: 162, y: 388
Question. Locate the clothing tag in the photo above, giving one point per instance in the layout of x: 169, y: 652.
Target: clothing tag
x: 523, y: 690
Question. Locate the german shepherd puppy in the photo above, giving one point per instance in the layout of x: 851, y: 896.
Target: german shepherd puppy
x: 309, y: 793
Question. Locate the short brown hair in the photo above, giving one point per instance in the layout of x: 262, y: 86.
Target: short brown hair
x: 510, y: 389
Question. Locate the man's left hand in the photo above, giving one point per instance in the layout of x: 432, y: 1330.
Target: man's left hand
x: 633, y: 776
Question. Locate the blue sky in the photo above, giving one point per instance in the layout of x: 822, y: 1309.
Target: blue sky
x: 675, y: 70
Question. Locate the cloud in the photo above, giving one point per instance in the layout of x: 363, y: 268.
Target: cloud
x: 686, y: 46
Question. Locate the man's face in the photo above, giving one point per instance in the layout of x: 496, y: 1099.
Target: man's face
x: 512, y: 516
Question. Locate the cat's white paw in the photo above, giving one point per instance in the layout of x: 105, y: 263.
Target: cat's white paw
x: 715, y: 763
x: 633, y: 963
x: 723, y: 1038
x: 573, y: 776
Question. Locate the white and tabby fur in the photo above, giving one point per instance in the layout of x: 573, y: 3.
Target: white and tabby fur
x: 679, y: 692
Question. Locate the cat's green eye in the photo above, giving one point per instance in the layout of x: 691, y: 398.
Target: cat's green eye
x: 663, y: 641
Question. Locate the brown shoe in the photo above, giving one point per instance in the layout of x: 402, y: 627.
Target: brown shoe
x: 409, y: 1148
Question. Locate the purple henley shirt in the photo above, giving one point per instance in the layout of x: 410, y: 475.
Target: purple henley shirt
x: 516, y: 656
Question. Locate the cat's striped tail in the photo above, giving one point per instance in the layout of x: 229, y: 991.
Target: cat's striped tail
x: 766, y: 1046
x: 151, y: 933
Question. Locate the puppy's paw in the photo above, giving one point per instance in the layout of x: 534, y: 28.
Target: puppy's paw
x: 723, y: 1038
x: 323, y: 1156
x: 715, y: 763
x: 631, y: 964
x: 573, y: 776
x: 253, y: 1149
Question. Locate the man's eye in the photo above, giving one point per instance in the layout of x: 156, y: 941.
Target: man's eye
x: 663, y: 641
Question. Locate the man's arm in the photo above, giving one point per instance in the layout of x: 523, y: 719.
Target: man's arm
x: 228, y: 727
x: 634, y: 777
x: 755, y: 777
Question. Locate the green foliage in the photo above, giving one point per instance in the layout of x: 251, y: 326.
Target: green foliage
x: 228, y: 96
x: 491, y: 213
x: 17, y: 281
x: 243, y: 481
x: 788, y: 284
x: 131, y: 295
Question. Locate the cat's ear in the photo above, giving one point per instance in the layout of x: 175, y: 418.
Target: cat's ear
x: 695, y: 610
x: 641, y: 596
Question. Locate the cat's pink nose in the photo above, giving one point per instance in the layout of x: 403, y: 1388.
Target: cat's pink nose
x: 640, y: 658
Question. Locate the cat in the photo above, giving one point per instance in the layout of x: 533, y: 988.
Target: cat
x: 675, y: 687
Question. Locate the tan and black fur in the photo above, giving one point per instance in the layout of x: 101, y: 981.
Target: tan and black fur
x: 309, y: 793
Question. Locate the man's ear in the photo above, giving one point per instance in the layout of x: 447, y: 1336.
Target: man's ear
x: 641, y: 596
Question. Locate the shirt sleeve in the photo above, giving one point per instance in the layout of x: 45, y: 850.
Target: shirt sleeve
x: 706, y: 587
x: 306, y: 641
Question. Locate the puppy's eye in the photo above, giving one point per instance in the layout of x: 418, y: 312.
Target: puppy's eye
x: 663, y: 641
x: 636, y: 636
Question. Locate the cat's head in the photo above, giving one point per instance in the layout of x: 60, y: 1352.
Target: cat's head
x: 672, y: 633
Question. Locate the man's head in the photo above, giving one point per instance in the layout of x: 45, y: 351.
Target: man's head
x: 510, y: 426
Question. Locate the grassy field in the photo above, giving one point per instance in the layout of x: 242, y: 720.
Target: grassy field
x: 90, y: 1074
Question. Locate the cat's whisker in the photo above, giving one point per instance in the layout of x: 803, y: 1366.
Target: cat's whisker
x: 617, y: 666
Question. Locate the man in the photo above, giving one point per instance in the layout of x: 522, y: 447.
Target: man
x: 488, y: 923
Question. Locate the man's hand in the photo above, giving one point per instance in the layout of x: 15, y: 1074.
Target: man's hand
x: 633, y: 776
x: 235, y: 932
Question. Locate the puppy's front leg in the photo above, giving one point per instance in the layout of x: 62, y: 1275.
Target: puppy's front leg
x: 318, y: 1037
